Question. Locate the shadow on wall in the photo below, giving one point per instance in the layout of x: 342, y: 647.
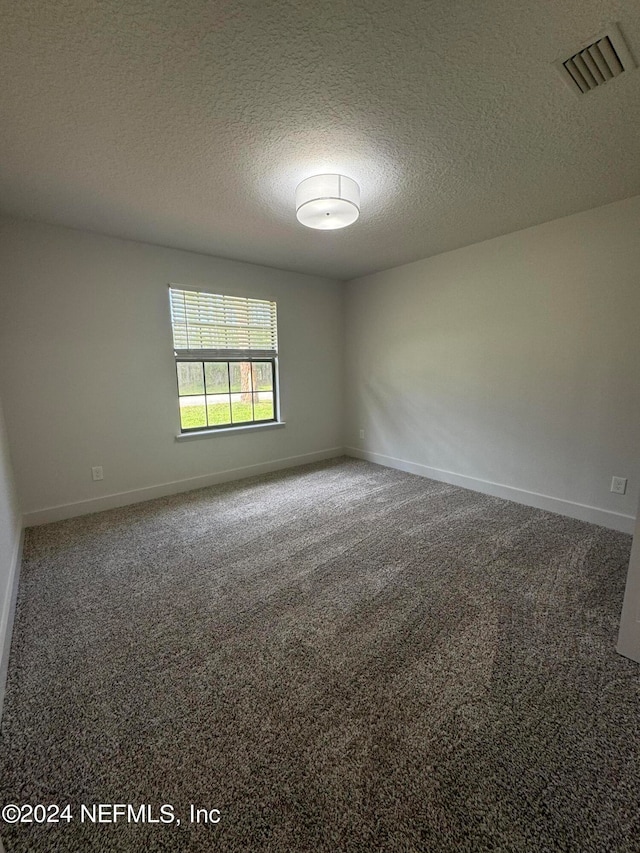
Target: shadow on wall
x: 463, y: 407
x: 435, y: 414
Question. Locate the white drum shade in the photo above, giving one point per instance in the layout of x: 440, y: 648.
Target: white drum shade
x: 327, y: 202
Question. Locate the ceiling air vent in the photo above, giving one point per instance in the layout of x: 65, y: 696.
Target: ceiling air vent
x: 599, y: 61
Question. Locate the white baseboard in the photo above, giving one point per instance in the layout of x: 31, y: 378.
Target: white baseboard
x: 59, y: 513
x: 8, y: 614
x: 583, y: 512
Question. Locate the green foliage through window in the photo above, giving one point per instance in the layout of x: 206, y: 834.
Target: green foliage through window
x: 225, y: 393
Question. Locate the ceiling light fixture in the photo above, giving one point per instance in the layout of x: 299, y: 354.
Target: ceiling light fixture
x: 327, y: 202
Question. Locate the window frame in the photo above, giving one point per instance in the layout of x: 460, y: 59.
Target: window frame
x: 226, y: 355
x: 233, y: 425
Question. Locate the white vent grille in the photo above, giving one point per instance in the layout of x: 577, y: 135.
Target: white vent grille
x: 604, y: 58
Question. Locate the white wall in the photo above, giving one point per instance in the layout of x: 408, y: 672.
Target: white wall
x: 88, y: 378
x: 629, y: 636
x: 9, y: 553
x: 513, y: 362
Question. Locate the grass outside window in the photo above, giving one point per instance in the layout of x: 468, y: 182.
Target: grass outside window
x: 225, y: 393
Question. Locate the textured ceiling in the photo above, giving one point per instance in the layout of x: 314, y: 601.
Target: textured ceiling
x: 189, y: 124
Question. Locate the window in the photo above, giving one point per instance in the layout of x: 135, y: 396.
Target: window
x: 226, y: 359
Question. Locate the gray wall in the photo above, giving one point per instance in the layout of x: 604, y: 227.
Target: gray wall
x: 511, y: 366
x: 88, y: 378
x: 9, y: 547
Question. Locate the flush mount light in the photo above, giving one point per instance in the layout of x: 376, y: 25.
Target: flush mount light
x: 327, y: 202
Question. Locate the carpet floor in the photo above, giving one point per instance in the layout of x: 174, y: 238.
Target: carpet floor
x: 340, y: 657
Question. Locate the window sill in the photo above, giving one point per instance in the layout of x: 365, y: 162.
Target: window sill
x: 207, y: 433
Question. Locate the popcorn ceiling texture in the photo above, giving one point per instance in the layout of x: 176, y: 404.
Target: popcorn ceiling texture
x: 190, y: 123
x: 343, y: 657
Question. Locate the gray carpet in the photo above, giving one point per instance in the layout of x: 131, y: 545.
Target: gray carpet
x: 341, y: 657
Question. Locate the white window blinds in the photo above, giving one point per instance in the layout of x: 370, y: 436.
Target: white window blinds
x: 209, y: 326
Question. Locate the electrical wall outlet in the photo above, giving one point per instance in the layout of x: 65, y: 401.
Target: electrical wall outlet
x: 619, y: 485
x: 96, y: 472
x: 361, y: 433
